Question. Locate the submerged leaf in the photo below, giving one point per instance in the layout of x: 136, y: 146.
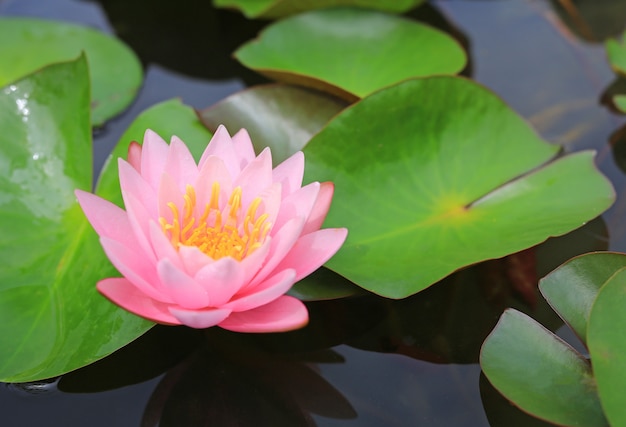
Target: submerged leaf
x: 281, y: 117
x: 167, y: 118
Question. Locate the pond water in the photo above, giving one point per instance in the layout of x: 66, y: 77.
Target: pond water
x: 362, y: 361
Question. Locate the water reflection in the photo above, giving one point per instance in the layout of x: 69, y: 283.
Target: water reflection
x: 365, y: 361
x: 190, y: 37
x: 230, y: 382
x: 154, y: 353
x: 35, y: 387
x: 448, y: 322
x: 592, y: 20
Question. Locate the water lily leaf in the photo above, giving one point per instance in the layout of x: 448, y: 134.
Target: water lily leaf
x: 540, y: 373
x: 167, y: 118
x: 620, y: 102
x: 350, y: 52
x: 52, y: 319
x: 115, y: 70
x: 607, y: 346
x: 280, y: 8
x: 572, y: 288
x: 323, y: 284
x: 281, y: 117
x: 438, y: 173
x: 616, y: 51
x: 500, y: 412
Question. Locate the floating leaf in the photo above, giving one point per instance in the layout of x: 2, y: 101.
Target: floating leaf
x: 616, y: 51
x: 350, y: 52
x: 281, y: 117
x: 433, y: 325
x: 607, y: 346
x: 323, y: 284
x: 620, y: 102
x: 280, y: 8
x: 30, y: 44
x: 540, y: 373
x: 438, y: 173
x: 572, y: 288
x: 52, y: 319
x: 500, y: 412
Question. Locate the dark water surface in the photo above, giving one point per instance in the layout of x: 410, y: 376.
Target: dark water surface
x: 363, y: 361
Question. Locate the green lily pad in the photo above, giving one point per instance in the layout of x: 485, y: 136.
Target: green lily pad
x: 278, y: 116
x: 435, y: 174
x: 500, y: 412
x: 616, y: 51
x: 540, y: 373
x: 30, y: 44
x: 620, y: 102
x: 607, y: 346
x: 323, y: 284
x: 572, y: 288
x: 271, y: 9
x: 52, y: 319
x: 350, y: 52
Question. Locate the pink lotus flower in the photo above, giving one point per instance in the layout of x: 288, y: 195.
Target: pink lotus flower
x: 218, y: 243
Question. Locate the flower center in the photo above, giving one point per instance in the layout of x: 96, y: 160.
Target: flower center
x: 217, y: 233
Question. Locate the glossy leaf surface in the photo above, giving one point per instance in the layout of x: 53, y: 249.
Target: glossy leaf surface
x: 281, y: 117
x: 52, y: 319
x: 572, y: 288
x: 115, y: 70
x: 435, y: 174
x: 350, y: 52
x: 281, y: 8
x: 540, y: 373
x: 607, y: 346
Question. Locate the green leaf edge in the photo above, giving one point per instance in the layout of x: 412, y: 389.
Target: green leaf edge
x: 97, y: 121
x: 557, y: 341
x: 596, y: 350
x: 275, y: 9
x: 313, y: 82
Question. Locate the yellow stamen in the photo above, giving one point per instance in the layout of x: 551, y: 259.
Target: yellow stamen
x: 235, y: 236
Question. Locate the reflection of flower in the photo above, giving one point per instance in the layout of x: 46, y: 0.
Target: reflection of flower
x: 218, y: 243
x: 232, y: 380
